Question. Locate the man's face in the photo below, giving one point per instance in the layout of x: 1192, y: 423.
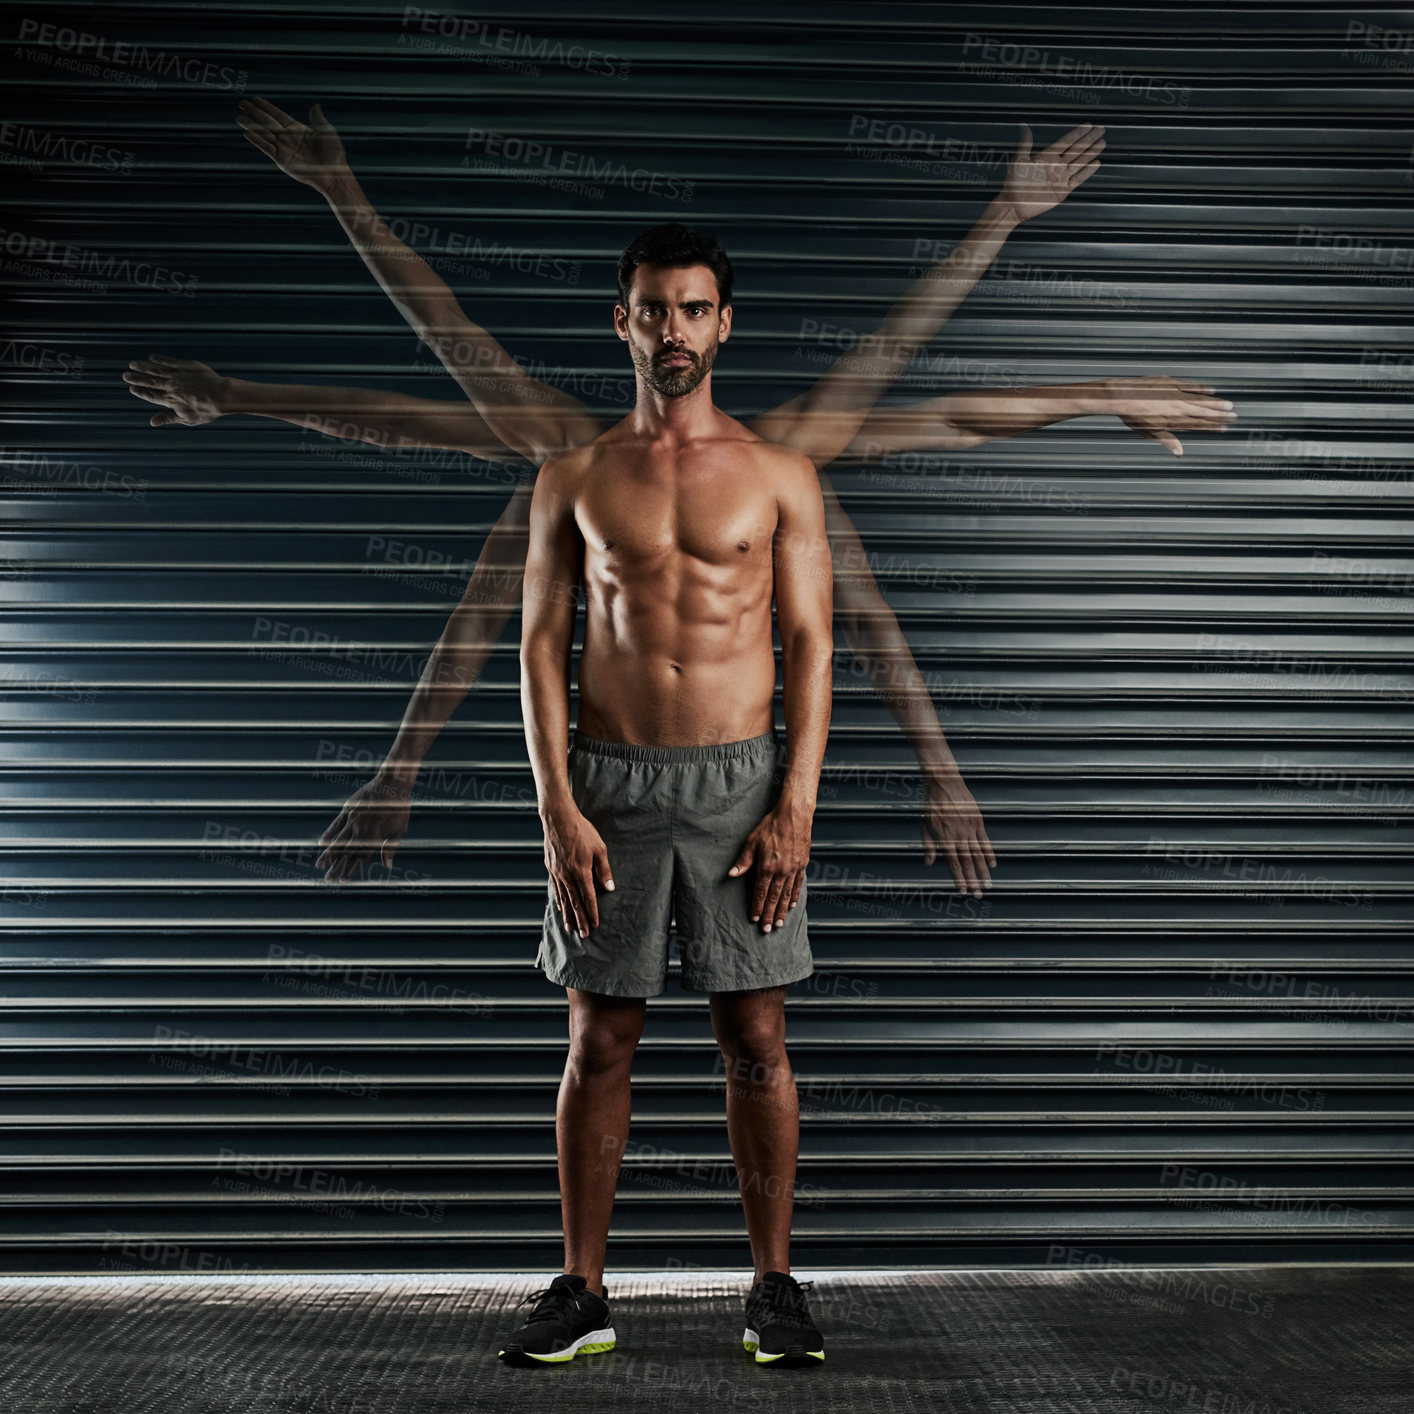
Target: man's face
x: 673, y: 326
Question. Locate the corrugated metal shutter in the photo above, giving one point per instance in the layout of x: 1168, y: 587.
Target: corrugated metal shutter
x: 1180, y: 1026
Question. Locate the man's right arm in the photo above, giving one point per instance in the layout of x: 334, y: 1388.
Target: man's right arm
x: 532, y: 417
x: 575, y: 855
x: 193, y: 394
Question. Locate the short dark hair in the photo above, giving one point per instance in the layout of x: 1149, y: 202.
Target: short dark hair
x: 675, y: 244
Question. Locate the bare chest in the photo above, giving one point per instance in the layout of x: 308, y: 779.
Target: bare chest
x: 645, y: 514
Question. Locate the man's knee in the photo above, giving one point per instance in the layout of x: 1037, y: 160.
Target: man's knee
x: 754, y: 1035
x: 604, y: 1039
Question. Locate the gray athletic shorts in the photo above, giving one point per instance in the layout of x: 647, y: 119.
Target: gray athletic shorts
x: 674, y: 819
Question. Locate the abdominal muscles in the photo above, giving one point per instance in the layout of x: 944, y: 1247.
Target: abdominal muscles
x: 680, y: 657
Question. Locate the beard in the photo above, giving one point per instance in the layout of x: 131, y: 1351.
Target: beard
x: 673, y: 382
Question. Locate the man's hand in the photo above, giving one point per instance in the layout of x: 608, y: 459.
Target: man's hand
x: 313, y: 154
x: 1036, y: 184
x: 952, y: 826
x: 1153, y: 405
x: 576, y: 858
x: 780, y: 848
x: 375, y: 817
x: 189, y: 392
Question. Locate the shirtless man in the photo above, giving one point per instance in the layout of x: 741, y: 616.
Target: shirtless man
x: 681, y: 524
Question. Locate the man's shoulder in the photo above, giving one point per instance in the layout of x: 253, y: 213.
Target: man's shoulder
x: 565, y: 468
x: 770, y: 456
x: 782, y: 463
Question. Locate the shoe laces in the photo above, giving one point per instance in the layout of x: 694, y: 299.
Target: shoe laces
x: 553, y: 1303
x: 786, y: 1300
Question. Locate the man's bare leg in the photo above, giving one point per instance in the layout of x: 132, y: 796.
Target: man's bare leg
x: 763, y: 1117
x: 591, y: 1123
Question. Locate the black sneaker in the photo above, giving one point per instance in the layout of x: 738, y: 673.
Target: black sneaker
x: 568, y: 1320
x: 779, y: 1330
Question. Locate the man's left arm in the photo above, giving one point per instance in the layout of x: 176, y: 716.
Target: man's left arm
x: 1155, y: 406
x: 822, y: 421
x: 780, y: 844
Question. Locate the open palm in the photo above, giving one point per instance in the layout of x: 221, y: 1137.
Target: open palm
x: 311, y: 153
x: 1036, y: 184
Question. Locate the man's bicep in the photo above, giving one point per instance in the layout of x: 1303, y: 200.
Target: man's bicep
x: 803, y: 571
x: 926, y: 426
x: 553, y: 558
x: 533, y: 417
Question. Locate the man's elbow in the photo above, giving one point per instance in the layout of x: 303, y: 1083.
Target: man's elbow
x: 438, y: 322
x: 809, y: 648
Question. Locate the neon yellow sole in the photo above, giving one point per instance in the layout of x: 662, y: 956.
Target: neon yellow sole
x: 562, y: 1357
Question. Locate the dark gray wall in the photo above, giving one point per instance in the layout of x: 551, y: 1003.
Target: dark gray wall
x: 1180, y: 1026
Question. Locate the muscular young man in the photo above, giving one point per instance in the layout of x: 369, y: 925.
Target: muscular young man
x: 822, y: 429
x: 676, y: 798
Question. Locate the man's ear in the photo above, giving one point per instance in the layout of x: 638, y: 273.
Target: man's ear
x: 724, y: 324
x: 621, y: 322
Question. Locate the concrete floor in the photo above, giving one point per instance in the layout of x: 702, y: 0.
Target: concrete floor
x: 1248, y: 1340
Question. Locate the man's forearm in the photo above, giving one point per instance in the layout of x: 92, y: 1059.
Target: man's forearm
x: 957, y: 421
x: 929, y: 302
x: 545, y: 709
x: 382, y: 418
x: 823, y: 421
x: 527, y: 414
x: 873, y: 636
x: 806, y: 658
x: 1004, y: 412
x: 421, y: 295
x: 467, y: 641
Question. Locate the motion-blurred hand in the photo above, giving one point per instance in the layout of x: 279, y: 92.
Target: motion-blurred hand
x: 1036, y: 184
x: 188, y: 392
x: 374, y: 818
x: 952, y: 827
x: 311, y: 153
x: 1155, y: 406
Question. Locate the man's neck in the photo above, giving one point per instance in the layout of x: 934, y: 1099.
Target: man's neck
x: 657, y: 417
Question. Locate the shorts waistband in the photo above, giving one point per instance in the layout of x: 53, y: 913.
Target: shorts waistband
x: 765, y: 747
